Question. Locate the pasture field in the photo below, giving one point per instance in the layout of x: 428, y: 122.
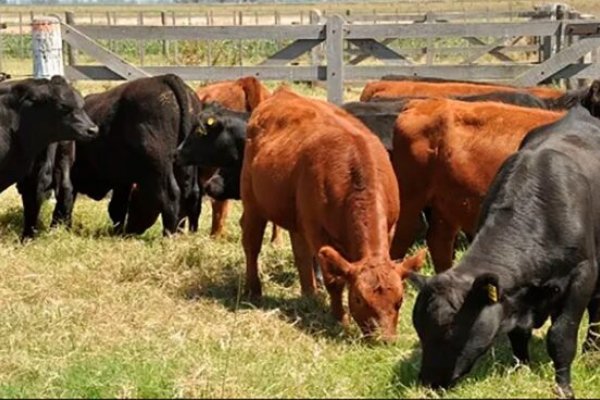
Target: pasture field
x: 87, y: 314
x: 84, y: 313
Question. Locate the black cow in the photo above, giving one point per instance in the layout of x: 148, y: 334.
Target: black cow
x: 535, y: 256
x: 35, y: 113
x: 141, y: 123
x: 218, y: 141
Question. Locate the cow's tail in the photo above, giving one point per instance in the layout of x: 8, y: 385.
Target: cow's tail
x: 181, y: 93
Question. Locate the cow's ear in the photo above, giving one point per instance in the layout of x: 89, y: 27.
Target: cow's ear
x: 254, y: 90
x: 335, y: 263
x: 594, y: 92
x: 418, y: 281
x: 58, y: 80
x: 24, y: 93
x: 411, y: 264
x: 486, y: 288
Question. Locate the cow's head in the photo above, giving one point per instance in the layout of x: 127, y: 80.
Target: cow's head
x: 244, y: 94
x: 375, y: 288
x: 218, y: 139
x: 52, y: 109
x: 224, y: 184
x: 456, y: 320
x: 591, y: 100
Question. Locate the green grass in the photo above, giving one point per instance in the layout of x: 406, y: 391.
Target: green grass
x: 86, y: 314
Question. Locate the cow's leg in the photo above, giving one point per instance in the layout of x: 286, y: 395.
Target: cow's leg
x: 519, y: 340
x: 65, y: 200
x: 144, y: 207
x: 592, y: 340
x: 253, y: 230
x: 304, y: 262
x: 440, y: 240
x: 170, y: 202
x: 276, y: 236
x: 335, y: 288
x: 562, y: 335
x: 409, y: 223
x: 63, y: 186
x: 33, y: 195
x: 220, y: 211
x: 194, y: 207
x: 117, y: 207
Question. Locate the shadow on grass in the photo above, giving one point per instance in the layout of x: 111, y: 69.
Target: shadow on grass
x: 309, y: 314
x: 497, y: 360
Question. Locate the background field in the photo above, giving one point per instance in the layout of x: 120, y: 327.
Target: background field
x: 87, y: 314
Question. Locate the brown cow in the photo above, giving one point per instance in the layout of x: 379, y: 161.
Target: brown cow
x: 386, y: 89
x: 446, y: 153
x: 244, y: 94
x: 318, y: 172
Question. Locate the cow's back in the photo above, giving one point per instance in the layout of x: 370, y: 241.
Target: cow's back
x: 428, y: 89
x: 303, y: 163
x: 458, y: 148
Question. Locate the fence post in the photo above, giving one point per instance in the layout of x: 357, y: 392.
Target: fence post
x: 314, y: 17
x: 141, y: 43
x: 21, y: 45
x: 163, y: 21
x: 46, y: 43
x: 208, y: 42
x: 2, y: 27
x: 71, y: 58
x: 175, y: 43
x: 560, y: 34
x: 334, y: 44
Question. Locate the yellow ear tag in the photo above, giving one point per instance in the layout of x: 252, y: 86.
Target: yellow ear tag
x: 210, y: 121
x: 492, y: 293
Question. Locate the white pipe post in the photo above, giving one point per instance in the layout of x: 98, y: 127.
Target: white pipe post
x: 46, y: 44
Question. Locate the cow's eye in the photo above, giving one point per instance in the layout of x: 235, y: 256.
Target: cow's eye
x: 64, y: 109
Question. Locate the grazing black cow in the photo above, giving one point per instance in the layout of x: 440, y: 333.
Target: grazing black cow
x: 535, y: 255
x: 35, y: 113
x: 141, y: 124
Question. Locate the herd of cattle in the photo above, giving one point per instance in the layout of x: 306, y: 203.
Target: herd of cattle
x: 516, y: 169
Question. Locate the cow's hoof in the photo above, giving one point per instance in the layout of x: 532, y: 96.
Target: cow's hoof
x: 254, y: 294
x: 564, y: 392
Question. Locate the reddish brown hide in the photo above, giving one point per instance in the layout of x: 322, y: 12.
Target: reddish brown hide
x: 243, y: 95
x: 315, y: 170
x: 390, y: 89
x: 446, y: 154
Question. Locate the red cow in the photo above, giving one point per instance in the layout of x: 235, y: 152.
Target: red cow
x: 318, y: 172
x: 445, y: 155
x: 387, y: 89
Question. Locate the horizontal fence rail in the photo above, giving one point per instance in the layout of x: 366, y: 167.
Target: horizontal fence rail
x: 333, y: 49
